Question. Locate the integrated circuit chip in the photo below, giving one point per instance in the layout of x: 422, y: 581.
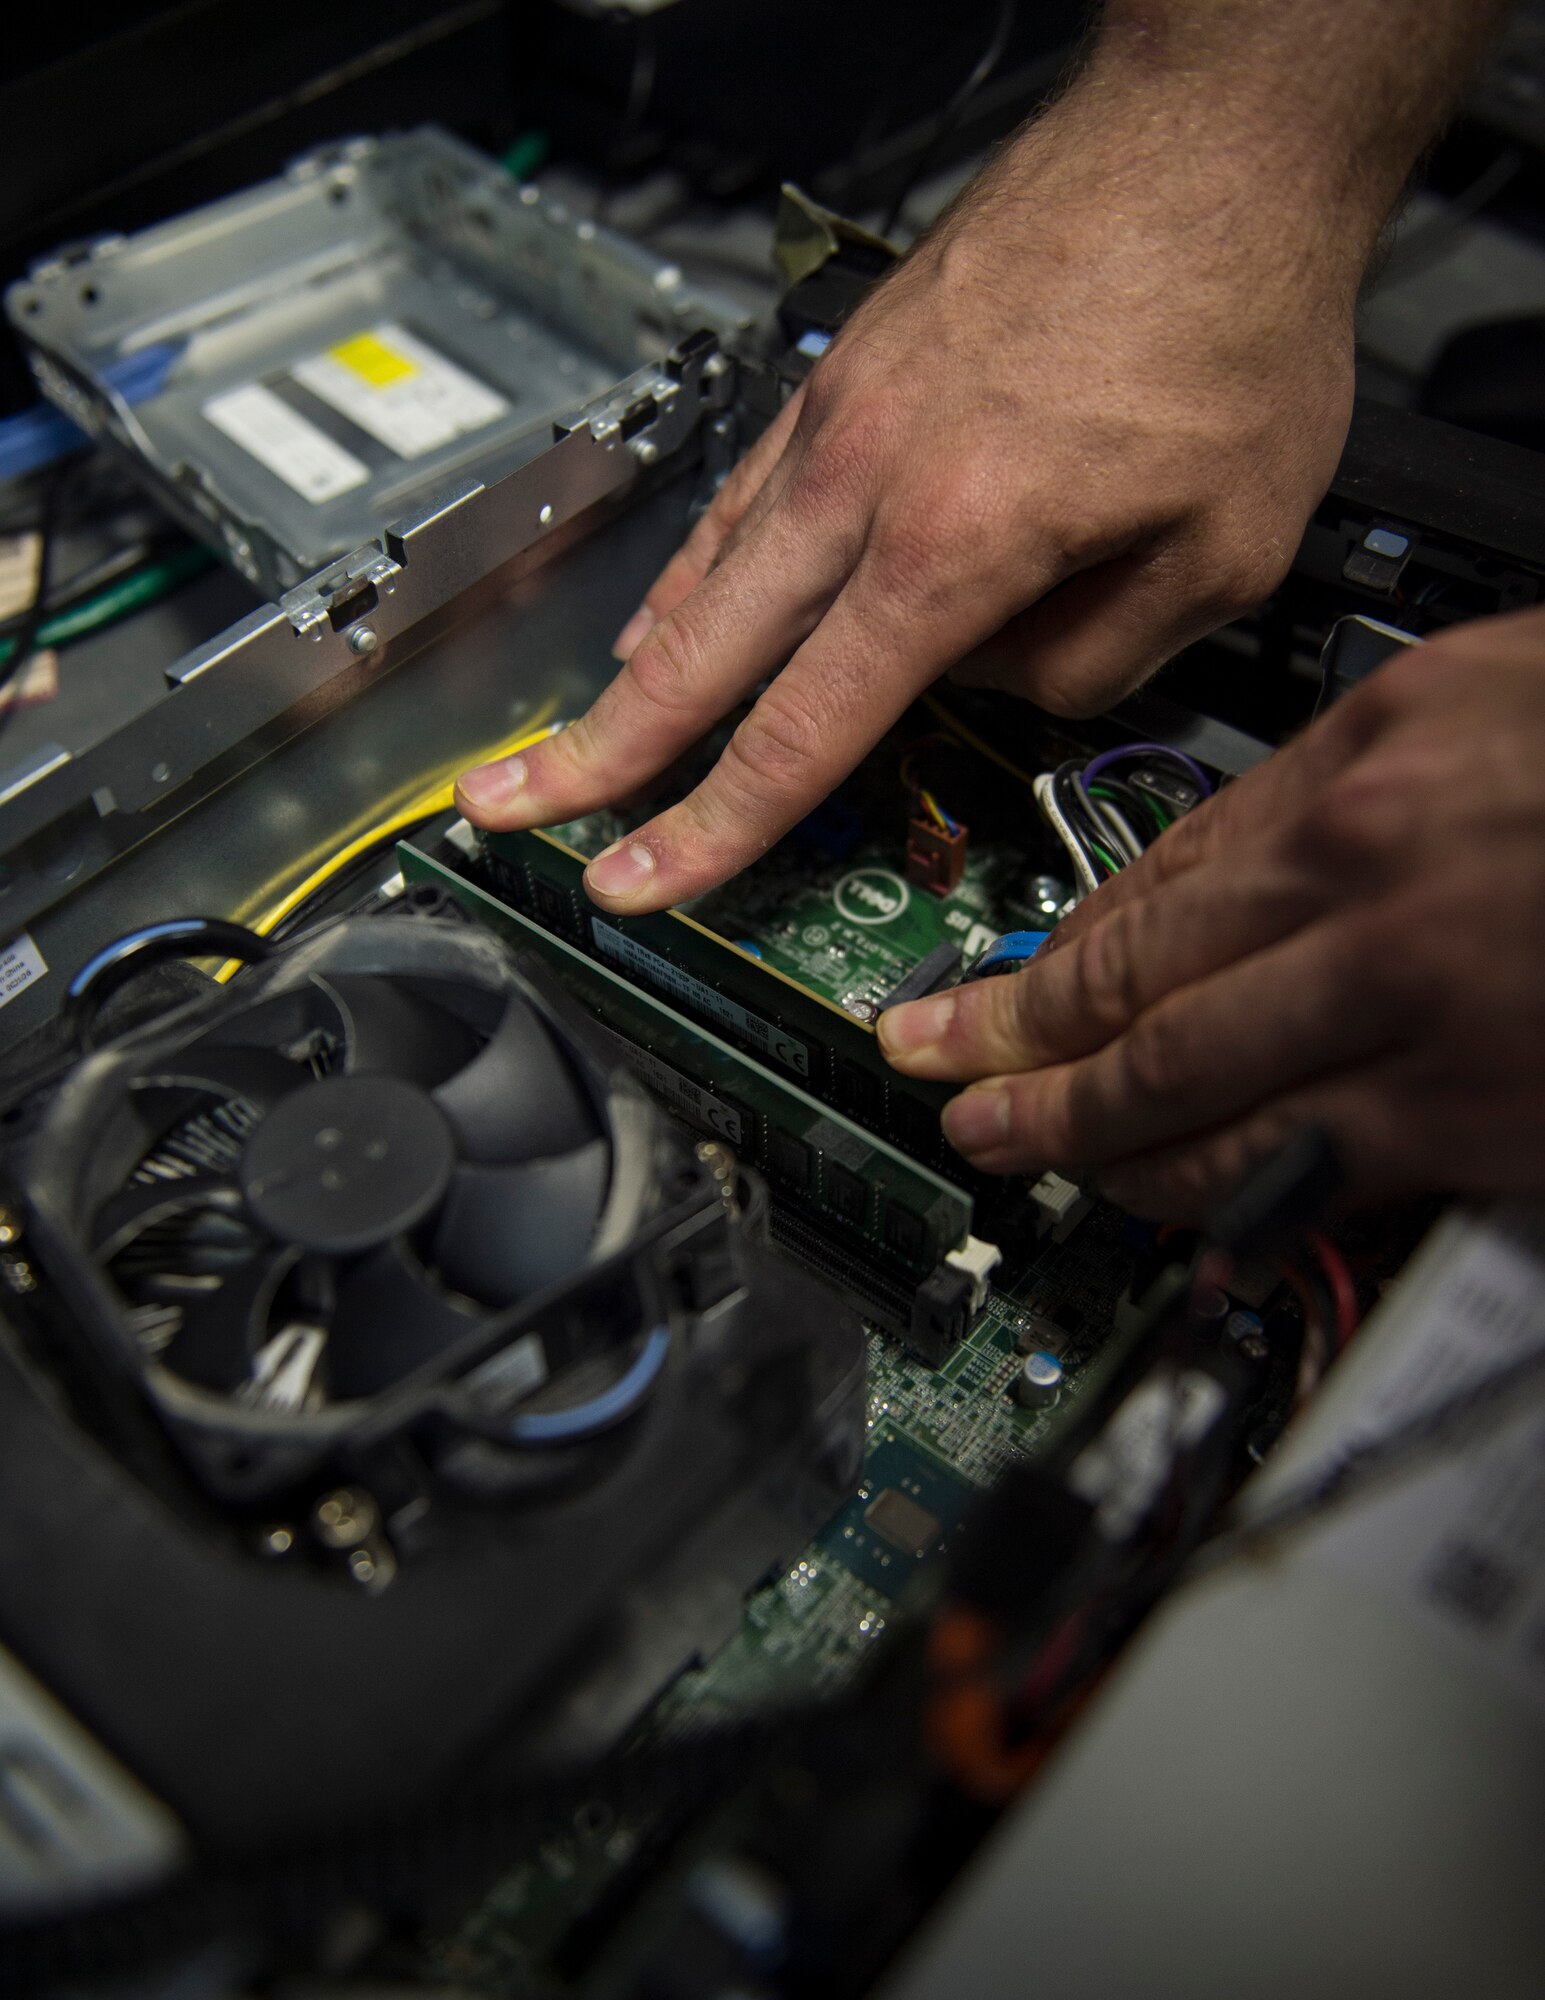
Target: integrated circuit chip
x: 902, y: 1522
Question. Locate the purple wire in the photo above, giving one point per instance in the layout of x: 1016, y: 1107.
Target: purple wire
x: 1108, y: 757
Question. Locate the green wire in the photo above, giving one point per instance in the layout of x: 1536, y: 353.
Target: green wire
x: 132, y: 593
x: 522, y: 159
x: 1150, y: 805
x: 1109, y: 859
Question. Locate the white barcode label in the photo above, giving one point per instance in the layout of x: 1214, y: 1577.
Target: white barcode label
x: 400, y: 390
x: 287, y: 443
x: 21, y: 963
x: 1461, y: 1540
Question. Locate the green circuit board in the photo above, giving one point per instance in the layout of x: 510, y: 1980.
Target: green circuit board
x: 831, y: 909
x: 938, y: 1436
x: 848, y: 924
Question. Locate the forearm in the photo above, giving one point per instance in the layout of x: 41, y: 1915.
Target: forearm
x: 1337, y: 98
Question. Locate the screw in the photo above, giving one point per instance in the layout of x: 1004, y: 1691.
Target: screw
x: 645, y: 450
x: 545, y: 514
x: 277, y: 1541
x: 364, y: 639
x: 10, y: 1228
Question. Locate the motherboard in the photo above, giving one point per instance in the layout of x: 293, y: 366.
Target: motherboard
x: 749, y: 1015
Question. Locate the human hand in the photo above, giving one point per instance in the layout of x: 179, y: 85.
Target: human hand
x: 1086, y: 420
x: 1351, y: 936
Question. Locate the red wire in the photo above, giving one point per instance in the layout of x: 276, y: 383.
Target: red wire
x: 1343, y: 1292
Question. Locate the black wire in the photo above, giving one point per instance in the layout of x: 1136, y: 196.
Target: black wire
x: 347, y: 883
x: 1086, y: 831
x: 954, y: 110
x: 1134, y: 800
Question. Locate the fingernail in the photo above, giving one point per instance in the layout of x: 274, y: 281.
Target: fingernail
x: 490, y: 787
x: 638, y: 626
x: 977, y: 1120
x: 620, y: 870
x: 915, y: 1025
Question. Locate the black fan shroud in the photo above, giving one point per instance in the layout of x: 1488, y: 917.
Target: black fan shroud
x: 306, y: 1192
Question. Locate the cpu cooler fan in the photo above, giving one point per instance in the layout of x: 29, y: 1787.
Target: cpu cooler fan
x: 384, y: 1344
x: 331, y: 1184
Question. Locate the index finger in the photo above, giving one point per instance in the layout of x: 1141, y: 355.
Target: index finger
x: 875, y: 650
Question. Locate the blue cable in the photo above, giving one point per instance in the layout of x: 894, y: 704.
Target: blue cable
x: 584, y: 1420
x: 38, y: 436
x: 1007, y: 953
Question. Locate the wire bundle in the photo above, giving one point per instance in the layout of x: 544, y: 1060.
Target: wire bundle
x: 924, y: 798
x: 1103, y: 822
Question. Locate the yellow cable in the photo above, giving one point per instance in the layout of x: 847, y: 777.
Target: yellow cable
x: 433, y: 799
x: 974, y: 742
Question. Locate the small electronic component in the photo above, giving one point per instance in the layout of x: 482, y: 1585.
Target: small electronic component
x: 977, y: 1261
x: 902, y: 1522
x: 926, y: 977
x: 1059, y: 1207
x: 1037, y: 1384
x: 936, y: 855
x: 1034, y: 1331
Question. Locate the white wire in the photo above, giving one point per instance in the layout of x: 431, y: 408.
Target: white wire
x: 1052, y: 813
x: 1126, y: 834
x: 1127, y: 844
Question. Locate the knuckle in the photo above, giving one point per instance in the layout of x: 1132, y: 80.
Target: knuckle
x: 1157, y: 1057
x: 939, y: 528
x: 1243, y: 575
x: 1107, y: 990
x: 775, y: 748
x: 1366, y: 817
x: 1080, y: 539
x: 1058, y: 1126
x: 663, y: 667
x: 827, y: 387
x: 840, y: 462
x: 1074, y: 696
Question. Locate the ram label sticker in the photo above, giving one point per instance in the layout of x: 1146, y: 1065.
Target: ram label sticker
x: 697, y: 996
x: 286, y: 443
x: 698, y: 1106
x: 400, y: 390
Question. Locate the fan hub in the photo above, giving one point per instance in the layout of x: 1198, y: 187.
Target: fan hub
x: 347, y: 1163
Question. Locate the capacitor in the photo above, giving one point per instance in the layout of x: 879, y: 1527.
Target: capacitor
x: 1037, y: 1383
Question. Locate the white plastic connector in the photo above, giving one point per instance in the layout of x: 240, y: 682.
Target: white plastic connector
x: 978, y: 1260
x: 1059, y: 1207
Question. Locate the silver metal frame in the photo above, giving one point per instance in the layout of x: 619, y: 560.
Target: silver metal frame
x: 418, y: 228
x: 276, y: 672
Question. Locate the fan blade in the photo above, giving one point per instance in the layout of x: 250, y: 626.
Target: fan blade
x: 396, y: 1032
x: 390, y: 1319
x: 144, y: 1203
x: 260, y: 1076
x: 506, y: 1231
x: 223, y: 1328
x: 517, y: 1099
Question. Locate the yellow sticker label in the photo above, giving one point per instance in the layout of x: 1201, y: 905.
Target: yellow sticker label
x: 369, y: 357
